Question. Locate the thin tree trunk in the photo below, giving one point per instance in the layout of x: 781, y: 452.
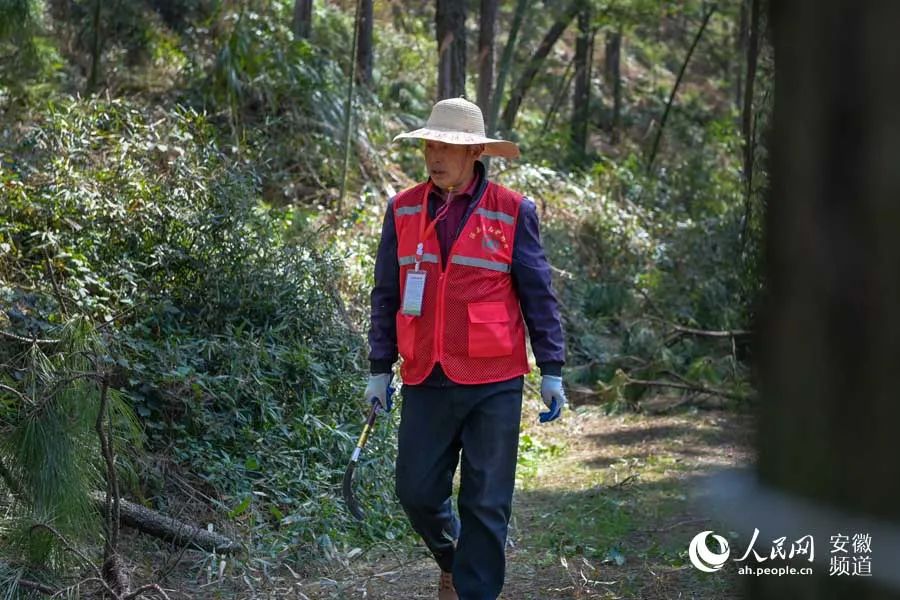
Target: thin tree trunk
x: 348, y: 109
x: 613, y: 62
x: 560, y: 95
x: 747, y: 112
x: 831, y: 340
x: 741, y: 52
x: 665, y: 116
x: 486, y: 35
x: 364, y: 53
x: 505, y: 62
x: 450, y: 30
x: 581, y: 96
x: 531, y: 69
x: 302, y: 21
x: 747, y: 122
x: 96, y: 49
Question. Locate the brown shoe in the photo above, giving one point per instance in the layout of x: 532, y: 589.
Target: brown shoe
x: 446, y: 591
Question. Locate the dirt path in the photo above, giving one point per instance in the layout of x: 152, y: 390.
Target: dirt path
x: 602, y: 510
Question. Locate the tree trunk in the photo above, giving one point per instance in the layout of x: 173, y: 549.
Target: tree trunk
x: 348, y: 106
x: 450, y: 29
x: 665, y: 115
x: 505, y: 62
x: 302, y: 22
x: 740, y: 52
x: 831, y: 340
x: 613, y: 64
x: 562, y: 92
x: 96, y: 49
x: 486, y: 36
x: 531, y: 69
x: 581, y: 96
x: 364, y: 44
x: 747, y: 112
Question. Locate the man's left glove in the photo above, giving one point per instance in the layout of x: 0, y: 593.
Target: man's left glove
x: 553, y: 396
x: 379, y: 390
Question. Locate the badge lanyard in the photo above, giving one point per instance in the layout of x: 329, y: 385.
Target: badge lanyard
x: 414, y: 290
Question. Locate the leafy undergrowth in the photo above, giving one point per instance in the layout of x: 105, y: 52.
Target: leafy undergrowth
x: 603, y: 509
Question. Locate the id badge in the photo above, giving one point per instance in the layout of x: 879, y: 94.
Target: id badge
x: 413, y: 293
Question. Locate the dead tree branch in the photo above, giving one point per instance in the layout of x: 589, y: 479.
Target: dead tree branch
x: 691, y: 387
x: 20, y: 338
x: 166, y: 528
x: 37, y: 586
x: 707, y: 333
x: 146, y: 588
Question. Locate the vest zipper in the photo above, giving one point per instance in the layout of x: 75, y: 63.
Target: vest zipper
x: 442, y: 281
x: 439, y: 330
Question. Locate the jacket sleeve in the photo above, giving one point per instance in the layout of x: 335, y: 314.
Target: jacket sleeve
x: 385, y: 299
x: 532, y: 282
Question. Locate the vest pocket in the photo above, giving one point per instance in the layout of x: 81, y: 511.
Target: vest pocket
x: 489, y: 333
x: 406, y: 335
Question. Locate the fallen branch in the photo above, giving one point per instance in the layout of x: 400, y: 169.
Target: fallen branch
x: 146, y: 588
x: 53, y: 592
x: 625, y: 481
x: 703, y: 332
x: 35, y: 585
x: 34, y: 340
x: 658, y: 317
x: 692, y: 387
x: 166, y: 528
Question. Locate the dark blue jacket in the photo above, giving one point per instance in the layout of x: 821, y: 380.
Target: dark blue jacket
x: 531, y: 279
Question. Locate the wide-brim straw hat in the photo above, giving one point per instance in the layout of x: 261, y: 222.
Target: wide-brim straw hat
x: 458, y: 121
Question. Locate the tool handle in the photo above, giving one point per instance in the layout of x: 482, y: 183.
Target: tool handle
x: 388, y: 401
x: 367, y: 429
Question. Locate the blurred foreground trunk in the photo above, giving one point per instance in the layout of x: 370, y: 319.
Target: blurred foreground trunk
x: 831, y: 406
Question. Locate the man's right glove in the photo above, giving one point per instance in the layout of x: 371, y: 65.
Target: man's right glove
x: 379, y: 390
x: 553, y: 396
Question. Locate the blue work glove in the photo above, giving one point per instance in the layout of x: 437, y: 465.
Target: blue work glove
x: 553, y: 396
x: 379, y: 390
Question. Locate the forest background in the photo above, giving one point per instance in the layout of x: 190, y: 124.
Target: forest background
x: 188, y: 220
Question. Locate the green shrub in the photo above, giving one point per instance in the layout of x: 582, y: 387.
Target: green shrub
x: 225, y: 312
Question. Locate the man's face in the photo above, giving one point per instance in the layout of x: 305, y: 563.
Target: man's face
x: 450, y: 165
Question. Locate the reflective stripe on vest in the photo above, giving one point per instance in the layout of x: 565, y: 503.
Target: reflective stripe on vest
x: 410, y: 260
x: 495, y: 214
x: 471, y: 261
x: 409, y: 210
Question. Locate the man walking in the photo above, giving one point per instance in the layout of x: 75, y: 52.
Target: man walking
x: 460, y: 272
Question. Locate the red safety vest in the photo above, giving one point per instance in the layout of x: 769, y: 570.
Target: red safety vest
x: 470, y: 321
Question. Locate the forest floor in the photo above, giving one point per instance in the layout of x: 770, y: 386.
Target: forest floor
x: 603, y: 509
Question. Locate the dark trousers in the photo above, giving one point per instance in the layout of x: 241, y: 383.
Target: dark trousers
x: 483, y: 422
